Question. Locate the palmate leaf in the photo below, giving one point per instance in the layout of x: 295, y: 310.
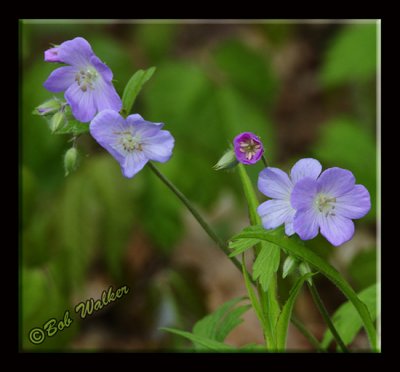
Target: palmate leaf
x: 266, y: 264
x: 132, y: 89
x: 217, y: 325
x: 346, y: 320
x: 302, y: 253
x: 239, y: 246
x: 210, y: 331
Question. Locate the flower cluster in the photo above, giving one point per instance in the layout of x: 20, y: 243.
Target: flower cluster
x: 310, y: 201
x: 87, y: 83
x: 306, y: 202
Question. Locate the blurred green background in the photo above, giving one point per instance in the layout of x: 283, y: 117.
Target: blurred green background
x: 306, y: 89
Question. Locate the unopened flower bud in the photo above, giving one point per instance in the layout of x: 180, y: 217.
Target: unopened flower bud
x: 228, y: 160
x: 288, y: 266
x: 49, y: 107
x: 70, y: 160
x: 57, y: 121
x: 304, y: 269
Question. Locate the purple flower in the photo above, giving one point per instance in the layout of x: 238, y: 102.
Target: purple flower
x: 329, y: 203
x: 132, y: 141
x: 248, y: 148
x: 277, y: 185
x: 86, y: 81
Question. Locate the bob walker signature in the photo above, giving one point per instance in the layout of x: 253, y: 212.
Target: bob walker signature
x: 85, y: 308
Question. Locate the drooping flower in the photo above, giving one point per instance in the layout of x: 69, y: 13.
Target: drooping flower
x: 132, y: 141
x: 277, y: 185
x: 329, y: 204
x: 86, y: 81
x: 248, y: 148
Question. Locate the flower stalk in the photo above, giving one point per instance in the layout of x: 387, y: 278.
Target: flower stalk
x: 195, y: 214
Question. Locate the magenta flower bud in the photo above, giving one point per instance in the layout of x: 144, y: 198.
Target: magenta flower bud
x: 51, y: 55
x: 248, y: 148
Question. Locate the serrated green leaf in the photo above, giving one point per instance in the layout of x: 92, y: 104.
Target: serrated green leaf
x: 221, y: 322
x: 133, y: 87
x: 347, y: 321
x: 304, y: 254
x: 286, y: 313
x: 231, y: 321
x: 205, y: 342
x: 266, y: 264
x: 351, y: 56
x: 240, y: 246
x: 73, y: 127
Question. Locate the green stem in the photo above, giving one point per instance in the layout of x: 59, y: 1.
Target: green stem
x: 264, y: 160
x: 322, y: 309
x: 268, y: 299
x: 307, y: 334
x: 196, y: 215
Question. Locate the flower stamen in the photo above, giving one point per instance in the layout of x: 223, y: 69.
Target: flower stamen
x: 86, y: 79
x: 249, y: 148
x: 325, y: 204
x: 129, y: 143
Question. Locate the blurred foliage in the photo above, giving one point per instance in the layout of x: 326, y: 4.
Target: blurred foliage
x: 155, y: 39
x: 362, y: 269
x: 248, y: 69
x: 351, y: 55
x: 72, y: 226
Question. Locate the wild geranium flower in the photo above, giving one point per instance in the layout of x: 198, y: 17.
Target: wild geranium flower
x: 248, y: 148
x: 329, y: 203
x: 132, y: 141
x: 86, y: 81
x: 277, y: 185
